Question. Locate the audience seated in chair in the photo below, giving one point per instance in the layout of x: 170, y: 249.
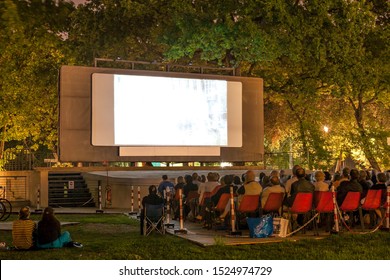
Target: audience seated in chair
x: 152, y: 199
x: 346, y: 186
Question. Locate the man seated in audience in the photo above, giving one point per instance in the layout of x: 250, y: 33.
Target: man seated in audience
x: 381, y: 185
x: 152, y: 199
x: 349, y: 186
x: 301, y: 185
x: 274, y: 188
x: 250, y: 186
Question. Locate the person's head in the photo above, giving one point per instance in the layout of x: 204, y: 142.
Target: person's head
x: 24, y: 213
x: 328, y: 177
x: 212, y: 177
x: 180, y: 179
x: 354, y: 173
x: 319, y: 176
x: 275, y: 180
x: 346, y: 172
x: 250, y: 176
x: 188, y: 179
x: 265, y: 181
x: 295, y: 168
x: 336, y: 177
x: 48, y: 213
x: 282, y: 173
x: 152, y: 189
x: 300, y: 172
x: 164, y: 177
x: 228, y: 179
x: 237, y: 180
x: 362, y: 175
x: 203, y: 178
x: 273, y: 173
x: 195, y: 176
x: 381, y: 177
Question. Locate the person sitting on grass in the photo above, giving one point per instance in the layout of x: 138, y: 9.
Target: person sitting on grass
x: 49, y: 232
x: 24, y: 230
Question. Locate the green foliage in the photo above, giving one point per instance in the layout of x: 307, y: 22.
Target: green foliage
x: 324, y: 62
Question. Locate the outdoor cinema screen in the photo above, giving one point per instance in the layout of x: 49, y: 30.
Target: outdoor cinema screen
x: 136, y: 110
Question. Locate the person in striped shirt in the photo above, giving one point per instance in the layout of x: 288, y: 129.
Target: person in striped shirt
x: 24, y: 230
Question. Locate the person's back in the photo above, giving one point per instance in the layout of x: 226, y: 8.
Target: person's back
x: 319, y: 184
x: 24, y: 230
x: 300, y: 186
x: 49, y: 232
x: 290, y: 181
x: 349, y: 186
x: 274, y: 188
x: 165, y: 183
x: 381, y: 185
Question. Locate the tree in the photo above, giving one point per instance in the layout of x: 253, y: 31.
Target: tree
x: 31, y: 52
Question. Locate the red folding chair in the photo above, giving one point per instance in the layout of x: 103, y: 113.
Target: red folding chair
x: 249, y: 205
x: 350, y: 205
x: 273, y: 204
x: 371, y: 203
x: 303, y: 204
x: 324, y: 206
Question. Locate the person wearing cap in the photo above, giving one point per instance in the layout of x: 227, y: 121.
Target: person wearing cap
x: 24, y: 230
x: 152, y: 199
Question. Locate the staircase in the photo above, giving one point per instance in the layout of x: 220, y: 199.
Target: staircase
x: 69, y: 190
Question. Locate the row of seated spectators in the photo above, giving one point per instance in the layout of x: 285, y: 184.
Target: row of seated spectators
x: 201, y: 193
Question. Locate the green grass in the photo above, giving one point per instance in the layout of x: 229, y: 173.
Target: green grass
x: 116, y: 237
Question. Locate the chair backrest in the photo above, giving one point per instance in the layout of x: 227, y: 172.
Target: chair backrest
x: 351, y: 202
x: 325, y: 202
x: 206, y: 195
x: 372, y: 200
x: 317, y: 197
x: 222, y: 202
x: 215, y: 190
x: 154, y: 212
x: 192, y: 195
x: 274, y: 202
x: 303, y: 203
x: 249, y: 203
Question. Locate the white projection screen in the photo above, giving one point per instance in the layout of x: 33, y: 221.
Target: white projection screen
x: 132, y: 110
x: 111, y: 114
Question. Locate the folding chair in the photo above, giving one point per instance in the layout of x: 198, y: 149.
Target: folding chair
x: 216, y: 210
x: 325, y: 206
x: 273, y: 204
x: 249, y: 205
x: 303, y: 204
x: 154, y: 219
x: 371, y: 203
x: 350, y: 205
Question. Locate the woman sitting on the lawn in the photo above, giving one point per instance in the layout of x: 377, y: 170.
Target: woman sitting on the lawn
x: 49, y: 232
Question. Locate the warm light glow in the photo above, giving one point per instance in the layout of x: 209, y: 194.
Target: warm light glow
x: 326, y: 129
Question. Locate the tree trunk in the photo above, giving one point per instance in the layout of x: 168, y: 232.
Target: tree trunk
x: 365, y: 142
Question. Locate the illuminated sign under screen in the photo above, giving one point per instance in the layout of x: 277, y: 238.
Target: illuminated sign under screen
x: 133, y: 110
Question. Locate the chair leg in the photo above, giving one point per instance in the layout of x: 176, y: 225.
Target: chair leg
x: 361, y: 218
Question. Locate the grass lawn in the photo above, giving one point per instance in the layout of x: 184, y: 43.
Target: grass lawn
x: 116, y: 237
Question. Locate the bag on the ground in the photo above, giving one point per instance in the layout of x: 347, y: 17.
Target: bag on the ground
x: 280, y: 226
x: 260, y: 227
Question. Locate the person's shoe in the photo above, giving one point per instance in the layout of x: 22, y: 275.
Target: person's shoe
x: 77, y: 245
